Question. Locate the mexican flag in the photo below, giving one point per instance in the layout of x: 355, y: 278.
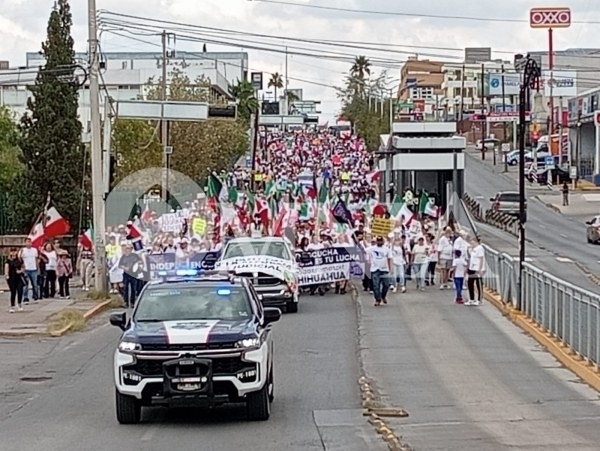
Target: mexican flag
x: 216, y: 191
x: 86, y: 239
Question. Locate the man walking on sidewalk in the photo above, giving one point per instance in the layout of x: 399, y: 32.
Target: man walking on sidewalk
x: 381, y: 259
x: 29, y: 255
x: 565, y: 194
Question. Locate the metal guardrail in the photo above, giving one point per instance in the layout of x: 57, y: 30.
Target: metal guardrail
x: 569, y: 313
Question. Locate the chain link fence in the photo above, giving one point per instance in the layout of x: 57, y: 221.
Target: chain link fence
x: 569, y: 313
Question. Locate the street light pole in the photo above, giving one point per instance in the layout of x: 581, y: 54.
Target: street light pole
x: 531, y: 79
x: 96, y: 153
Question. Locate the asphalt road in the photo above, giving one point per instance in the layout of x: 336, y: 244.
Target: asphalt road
x: 471, y: 380
x: 68, y: 402
x: 558, y: 234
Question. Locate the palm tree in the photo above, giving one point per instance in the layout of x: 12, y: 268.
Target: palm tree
x: 291, y: 97
x: 361, y: 68
x: 247, y: 102
x: 276, y: 82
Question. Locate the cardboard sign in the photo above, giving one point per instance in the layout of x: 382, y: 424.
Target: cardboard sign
x: 199, y: 226
x: 382, y: 227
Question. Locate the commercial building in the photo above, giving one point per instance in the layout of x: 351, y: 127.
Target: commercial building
x: 420, y: 80
x: 124, y: 76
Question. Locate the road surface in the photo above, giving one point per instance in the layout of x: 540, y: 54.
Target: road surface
x: 69, y: 401
x: 548, y: 229
x: 471, y: 380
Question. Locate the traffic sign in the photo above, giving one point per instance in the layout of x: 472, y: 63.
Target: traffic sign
x: 549, y: 162
x: 597, y: 118
x: 505, y: 147
x: 550, y: 17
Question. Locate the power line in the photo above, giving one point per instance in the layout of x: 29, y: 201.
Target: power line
x: 402, y: 14
x: 200, y: 55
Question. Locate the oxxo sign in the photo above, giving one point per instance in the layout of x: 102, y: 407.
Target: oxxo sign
x: 597, y: 118
x: 550, y: 17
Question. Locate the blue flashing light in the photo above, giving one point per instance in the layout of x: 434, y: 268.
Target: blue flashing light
x: 187, y: 272
x: 223, y: 292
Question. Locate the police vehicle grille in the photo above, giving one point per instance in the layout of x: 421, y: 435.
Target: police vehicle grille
x: 221, y: 366
x: 188, y: 347
x: 262, y: 279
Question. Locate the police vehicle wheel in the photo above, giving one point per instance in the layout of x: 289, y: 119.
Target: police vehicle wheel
x: 129, y: 409
x: 258, y: 406
x: 291, y: 307
x: 271, y: 384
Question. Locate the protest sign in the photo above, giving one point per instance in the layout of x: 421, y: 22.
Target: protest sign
x: 330, y: 265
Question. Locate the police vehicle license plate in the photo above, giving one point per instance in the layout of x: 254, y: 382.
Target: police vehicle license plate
x: 188, y: 387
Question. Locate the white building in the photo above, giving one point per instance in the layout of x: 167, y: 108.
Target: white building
x: 124, y: 76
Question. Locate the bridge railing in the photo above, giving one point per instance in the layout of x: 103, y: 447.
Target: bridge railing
x: 567, y: 312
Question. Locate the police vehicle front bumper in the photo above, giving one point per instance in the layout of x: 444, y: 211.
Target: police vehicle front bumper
x: 198, y: 379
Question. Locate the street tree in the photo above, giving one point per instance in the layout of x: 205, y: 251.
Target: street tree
x: 247, y: 103
x: 199, y: 147
x: 137, y: 147
x: 276, y: 82
x: 291, y: 97
x: 10, y: 164
x: 52, y: 151
x: 361, y: 97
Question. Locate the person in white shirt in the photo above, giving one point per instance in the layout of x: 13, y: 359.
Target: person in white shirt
x: 50, y: 282
x: 398, y: 255
x: 381, y: 261
x: 476, y: 271
x: 445, y: 252
x: 420, y: 261
x: 458, y: 271
x: 29, y: 255
x: 432, y: 255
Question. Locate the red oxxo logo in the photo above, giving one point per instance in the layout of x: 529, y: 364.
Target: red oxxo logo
x: 550, y: 18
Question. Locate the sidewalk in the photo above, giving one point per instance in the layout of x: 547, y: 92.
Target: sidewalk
x: 36, y: 317
x: 582, y: 206
x: 469, y: 378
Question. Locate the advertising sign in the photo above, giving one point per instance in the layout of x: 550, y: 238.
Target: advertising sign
x: 564, y: 83
x: 257, y: 80
x: 550, y: 17
x: 512, y: 83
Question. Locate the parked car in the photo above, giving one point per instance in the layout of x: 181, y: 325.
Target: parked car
x: 512, y: 157
x: 593, y: 230
x: 506, y: 202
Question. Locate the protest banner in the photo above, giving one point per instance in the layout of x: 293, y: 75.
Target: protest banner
x: 330, y: 265
x: 169, y: 262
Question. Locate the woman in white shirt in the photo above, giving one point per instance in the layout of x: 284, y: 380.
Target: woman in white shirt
x: 476, y: 271
x: 52, y: 260
x: 420, y: 260
x: 432, y: 254
x: 399, y: 259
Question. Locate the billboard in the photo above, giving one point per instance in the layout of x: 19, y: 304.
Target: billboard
x: 550, y: 17
x: 512, y: 84
x: 564, y: 83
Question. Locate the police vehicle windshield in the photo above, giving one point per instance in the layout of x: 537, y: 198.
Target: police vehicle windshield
x: 250, y: 248
x: 227, y: 303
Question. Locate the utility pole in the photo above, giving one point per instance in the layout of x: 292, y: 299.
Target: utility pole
x: 462, y: 97
x: 255, y: 137
x: 164, y: 131
x: 484, y: 122
x: 96, y: 151
x: 504, y: 123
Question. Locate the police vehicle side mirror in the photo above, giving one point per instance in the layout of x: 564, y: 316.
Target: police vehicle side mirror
x: 588, y: 222
x: 119, y: 320
x: 271, y: 315
x: 492, y: 199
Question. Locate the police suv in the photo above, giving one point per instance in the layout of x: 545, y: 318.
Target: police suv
x: 195, y: 340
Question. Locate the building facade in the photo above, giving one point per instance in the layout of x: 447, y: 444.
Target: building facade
x: 420, y: 79
x: 124, y: 76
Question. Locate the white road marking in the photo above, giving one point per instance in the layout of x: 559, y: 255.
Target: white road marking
x: 564, y: 260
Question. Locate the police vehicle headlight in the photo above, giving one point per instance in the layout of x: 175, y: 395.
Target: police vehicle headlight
x: 128, y: 346
x: 248, y: 343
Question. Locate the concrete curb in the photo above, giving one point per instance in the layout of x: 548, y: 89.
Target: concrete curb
x: 373, y: 408
x: 95, y: 310
x: 577, y: 364
x: 590, y: 275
